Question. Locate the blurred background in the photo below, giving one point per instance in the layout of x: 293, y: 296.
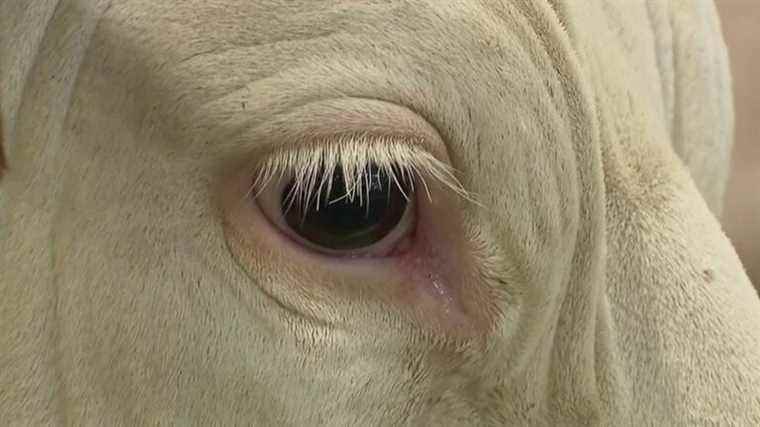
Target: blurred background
x: 741, y: 214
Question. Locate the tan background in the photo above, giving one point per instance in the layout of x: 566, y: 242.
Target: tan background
x: 741, y: 215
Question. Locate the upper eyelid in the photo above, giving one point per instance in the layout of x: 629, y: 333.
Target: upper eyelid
x: 349, y: 131
x: 328, y: 118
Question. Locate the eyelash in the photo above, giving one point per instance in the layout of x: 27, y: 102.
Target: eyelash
x: 312, y: 167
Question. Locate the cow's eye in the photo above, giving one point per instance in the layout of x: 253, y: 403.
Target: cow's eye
x: 369, y: 216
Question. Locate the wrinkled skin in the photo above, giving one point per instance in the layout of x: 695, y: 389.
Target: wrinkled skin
x: 597, y: 285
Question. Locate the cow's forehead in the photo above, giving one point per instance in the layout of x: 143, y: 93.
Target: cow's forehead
x: 201, y: 61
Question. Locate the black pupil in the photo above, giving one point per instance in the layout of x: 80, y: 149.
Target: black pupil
x: 340, y: 223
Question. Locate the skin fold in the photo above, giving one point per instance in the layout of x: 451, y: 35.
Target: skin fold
x: 134, y: 289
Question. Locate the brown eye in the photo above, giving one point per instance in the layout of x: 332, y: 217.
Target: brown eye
x: 341, y: 220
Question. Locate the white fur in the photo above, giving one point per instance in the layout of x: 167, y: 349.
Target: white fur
x: 594, y: 133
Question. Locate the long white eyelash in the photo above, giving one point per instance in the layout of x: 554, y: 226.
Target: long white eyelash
x: 312, y: 167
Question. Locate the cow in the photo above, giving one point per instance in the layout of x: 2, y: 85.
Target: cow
x: 350, y: 213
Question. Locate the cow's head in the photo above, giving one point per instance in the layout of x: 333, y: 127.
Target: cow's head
x: 513, y: 240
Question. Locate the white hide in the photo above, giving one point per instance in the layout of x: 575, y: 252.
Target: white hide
x: 595, y: 133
